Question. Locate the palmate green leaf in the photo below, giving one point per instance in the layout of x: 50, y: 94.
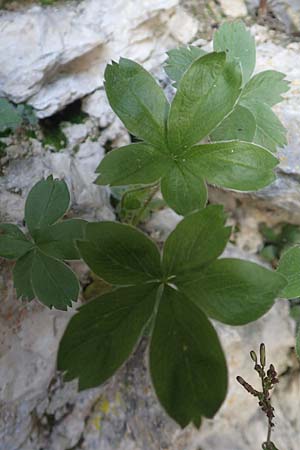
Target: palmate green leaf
x: 266, y: 87
x: 205, y: 104
x: 58, y: 240
x: 120, y: 254
x: 239, y: 45
x: 183, y: 191
x: 239, y: 125
x: 38, y: 271
x: 258, y: 94
x: 133, y: 164
x: 137, y: 99
x: 289, y: 266
x: 101, y: 336
x: 180, y: 59
x: 187, y: 364
x: 196, y: 241
x: 235, y: 165
x: 13, y: 243
x: 47, y: 202
x: 208, y: 92
x: 233, y: 291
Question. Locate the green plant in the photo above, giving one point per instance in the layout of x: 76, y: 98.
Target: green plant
x: 54, y: 137
x: 268, y: 381
x: 252, y: 118
x: 4, y: 3
x: 278, y: 240
x: 283, y: 250
x: 175, y: 294
x: 39, y: 271
x: 214, y: 98
x: 289, y: 266
x: 170, y: 297
x: 13, y: 117
x: 135, y: 205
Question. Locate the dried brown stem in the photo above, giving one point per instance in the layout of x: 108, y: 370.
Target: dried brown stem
x: 263, y: 8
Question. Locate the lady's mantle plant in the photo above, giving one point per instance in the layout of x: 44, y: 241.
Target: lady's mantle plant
x: 215, y: 99
x: 39, y: 271
x: 176, y: 293
x: 173, y: 294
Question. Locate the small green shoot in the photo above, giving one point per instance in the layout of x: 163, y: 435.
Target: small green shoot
x: 39, y: 271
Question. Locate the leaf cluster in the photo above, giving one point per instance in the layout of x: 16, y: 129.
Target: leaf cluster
x: 215, y: 130
x: 173, y: 295
x: 39, y: 270
x: 252, y: 118
x: 215, y: 100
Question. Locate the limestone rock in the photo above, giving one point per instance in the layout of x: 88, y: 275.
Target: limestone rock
x: 234, y: 8
x: 78, y: 170
x: 96, y: 105
x: 64, y: 49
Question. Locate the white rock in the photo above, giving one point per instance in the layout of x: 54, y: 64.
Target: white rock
x: 161, y: 223
x: 96, y: 105
x: 183, y: 34
x: 234, y: 8
x: 113, y: 130
x: 77, y: 169
x: 34, y: 347
x: 77, y: 133
x: 64, y: 50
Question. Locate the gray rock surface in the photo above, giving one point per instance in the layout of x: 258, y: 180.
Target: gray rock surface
x: 31, y: 162
x: 234, y: 8
x: 64, y: 49
x: 51, y: 66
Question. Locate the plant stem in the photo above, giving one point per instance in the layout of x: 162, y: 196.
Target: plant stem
x: 263, y: 5
x: 138, y: 216
x: 269, y: 434
x: 262, y: 375
x: 136, y: 189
